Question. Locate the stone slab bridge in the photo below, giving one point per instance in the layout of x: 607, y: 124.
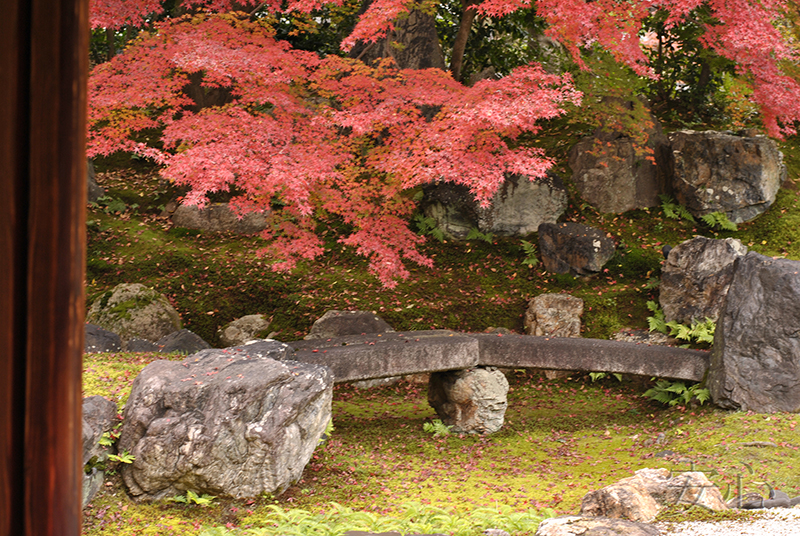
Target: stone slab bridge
x: 373, y: 356
x: 467, y: 363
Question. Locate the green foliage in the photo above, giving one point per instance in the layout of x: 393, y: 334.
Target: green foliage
x: 125, y: 457
x: 719, y: 220
x: 111, y: 205
x: 530, y: 254
x: 436, y: 427
x: 673, y: 210
x: 602, y: 375
x: 675, y: 393
x: 475, y: 234
x: 193, y: 498
x: 414, y: 518
x: 698, y: 332
x: 428, y: 226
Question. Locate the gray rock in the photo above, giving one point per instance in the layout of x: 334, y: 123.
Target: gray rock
x: 183, y: 341
x: 218, y: 217
x: 133, y: 310
x: 755, y: 364
x: 471, y: 400
x: 696, y: 277
x: 95, y: 191
x: 140, y: 345
x: 97, y: 339
x: 241, y: 330
x: 339, y: 323
x: 593, y: 526
x: 521, y: 205
x: 574, y: 248
x: 554, y: 315
x: 224, y: 422
x: 453, y: 208
x: 641, y: 496
x: 99, y: 417
x: 723, y: 172
x: 382, y: 355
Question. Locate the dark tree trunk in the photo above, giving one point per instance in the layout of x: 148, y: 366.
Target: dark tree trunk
x: 460, y: 43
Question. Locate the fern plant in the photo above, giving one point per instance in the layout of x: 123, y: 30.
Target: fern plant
x: 193, y: 498
x: 719, y: 220
x: 436, y: 427
x: 697, y: 333
x: 475, y: 234
x: 530, y: 254
x: 672, y: 393
x: 428, y: 226
x: 673, y: 210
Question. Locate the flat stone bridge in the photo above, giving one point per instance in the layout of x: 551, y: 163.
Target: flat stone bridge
x: 364, y: 357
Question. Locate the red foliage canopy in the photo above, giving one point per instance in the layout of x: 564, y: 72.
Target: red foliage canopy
x: 304, y: 137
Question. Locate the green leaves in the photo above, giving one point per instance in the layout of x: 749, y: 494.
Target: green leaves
x: 193, y: 498
x: 672, y: 393
x: 719, y: 220
x: 125, y: 457
x: 530, y: 254
x: 475, y: 234
x: 436, y: 427
x: 698, y: 332
x: 673, y: 210
x: 428, y: 226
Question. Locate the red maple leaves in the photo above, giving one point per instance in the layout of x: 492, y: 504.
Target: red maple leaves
x: 306, y: 138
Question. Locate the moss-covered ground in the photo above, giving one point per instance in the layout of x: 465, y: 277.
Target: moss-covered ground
x: 561, y: 438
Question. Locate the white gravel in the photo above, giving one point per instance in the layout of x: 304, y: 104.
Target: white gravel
x: 768, y: 522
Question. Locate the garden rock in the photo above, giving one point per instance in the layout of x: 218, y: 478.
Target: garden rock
x: 696, y: 277
x: 241, y: 330
x: 641, y: 496
x: 218, y: 217
x: 232, y: 422
x: 95, y: 191
x: 99, y: 417
x: 339, y: 323
x: 554, y: 315
x: 755, y: 360
x: 183, y: 341
x: 724, y: 172
x: 522, y: 204
x: 133, y: 310
x: 470, y: 400
x: 593, y: 526
x: 614, y: 174
x: 574, y: 248
x: 97, y: 339
x: 452, y: 207
x: 141, y: 345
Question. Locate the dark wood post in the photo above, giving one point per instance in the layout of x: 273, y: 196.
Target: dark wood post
x: 43, y: 71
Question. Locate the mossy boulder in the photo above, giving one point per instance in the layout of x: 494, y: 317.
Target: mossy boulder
x: 134, y: 310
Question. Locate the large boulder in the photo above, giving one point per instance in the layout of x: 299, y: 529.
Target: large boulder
x: 134, y: 310
x: 755, y: 361
x: 218, y: 217
x: 616, y: 173
x: 99, y: 417
x: 574, y: 248
x: 183, y: 341
x: 696, y: 277
x: 242, y: 330
x: 641, y: 496
x: 723, y: 172
x: 554, y: 315
x: 470, y: 400
x: 224, y: 422
x: 340, y: 323
x: 522, y: 204
x: 97, y: 339
x: 593, y: 526
x: 517, y: 209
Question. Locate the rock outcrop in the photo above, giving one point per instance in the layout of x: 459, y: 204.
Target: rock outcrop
x: 755, y: 360
x: 554, y: 315
x: 696, y: 277
x: 218, y: 217
x: 134, y: 310
x: 574, y: 248
x: 593, y: 526
x: 99, y: 417
x: 723, y: 172
x: 97, y: 339
x: 339, y: 323
x: 231, y: 422
x: 241, y: 330
x: 641, y: 496
x: 521, y: 205
x: 470, y: 400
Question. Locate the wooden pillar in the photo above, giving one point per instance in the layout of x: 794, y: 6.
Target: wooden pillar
x: 43, y: 70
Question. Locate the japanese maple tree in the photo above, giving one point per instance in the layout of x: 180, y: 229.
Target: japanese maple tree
x: 307, y: 138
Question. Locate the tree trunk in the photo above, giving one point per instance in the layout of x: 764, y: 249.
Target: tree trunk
x: 468, y: 14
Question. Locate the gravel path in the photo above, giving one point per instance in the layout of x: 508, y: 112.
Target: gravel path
x: 771, y: 522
